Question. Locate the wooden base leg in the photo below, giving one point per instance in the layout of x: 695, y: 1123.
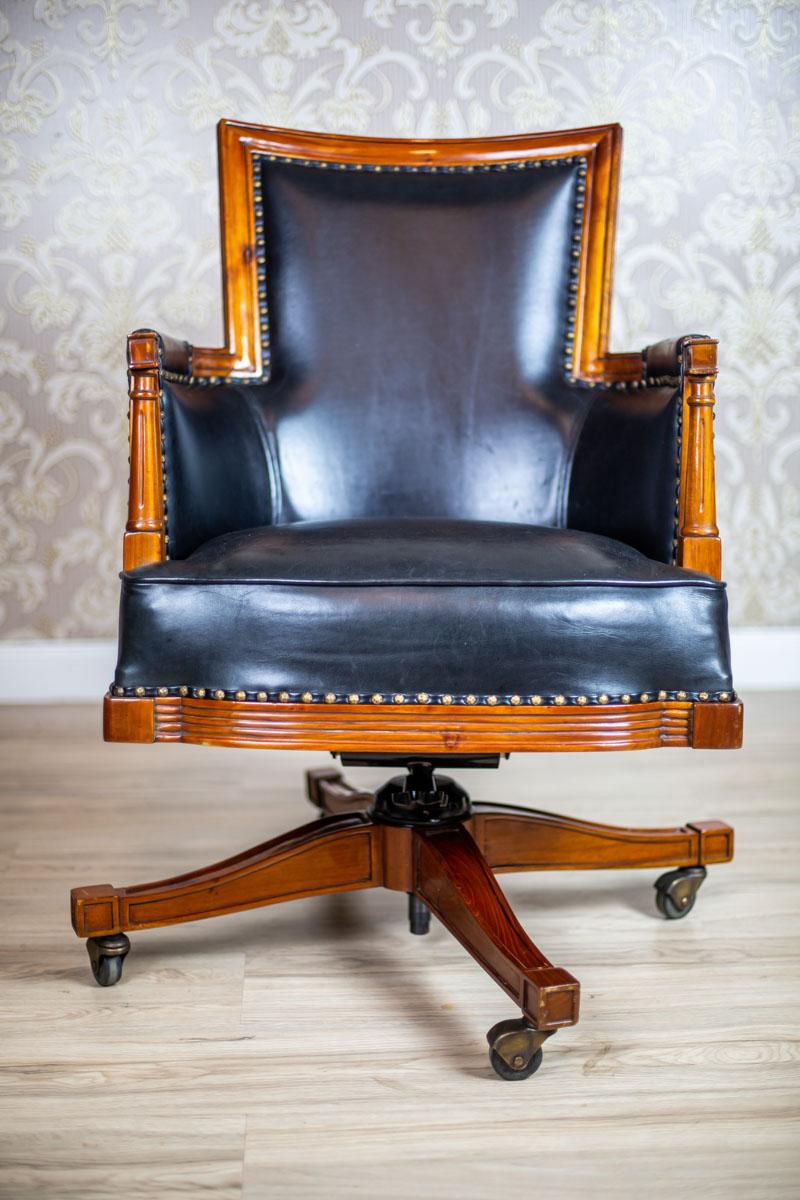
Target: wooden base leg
x: 524, y: 839
x: 330, y: 792
x: 335, y: 854
x: 454, y: 879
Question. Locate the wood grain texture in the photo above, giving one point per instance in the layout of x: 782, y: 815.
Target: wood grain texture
x: 519, y: 839
x: 699, y: 546
x: 307, y: 1049
x: 238, y: 142
x: 332, y: 855
x: 455, y: 881
x: 424, y: 728
x: 145, y: 532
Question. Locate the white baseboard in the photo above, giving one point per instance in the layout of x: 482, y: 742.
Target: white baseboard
x: 38, y: 672
x: 45, y: 671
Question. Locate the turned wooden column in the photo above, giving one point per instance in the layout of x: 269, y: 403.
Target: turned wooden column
x: 699, y: 546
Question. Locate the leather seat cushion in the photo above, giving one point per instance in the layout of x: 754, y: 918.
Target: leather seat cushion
x: 402, y: 606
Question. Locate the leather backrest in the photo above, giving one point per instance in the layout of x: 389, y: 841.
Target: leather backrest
x: 417, y: 330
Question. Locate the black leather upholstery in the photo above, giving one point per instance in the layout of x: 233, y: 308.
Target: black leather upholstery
x: 402, y: 606
x: 387, y: 513
x: 624, y: 479
x: 417, y: 325
x: 218, y: 469
x: 416, y: 329
x: 223, y: 450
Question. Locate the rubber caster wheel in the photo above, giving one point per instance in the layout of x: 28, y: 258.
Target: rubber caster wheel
x: 515, y: 1048
x: 677, y: 891
x: 107, y: 954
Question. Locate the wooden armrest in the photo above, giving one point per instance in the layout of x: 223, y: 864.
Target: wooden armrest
x: 178, y: 416
x: 699, y: 547
x: 149, y: 353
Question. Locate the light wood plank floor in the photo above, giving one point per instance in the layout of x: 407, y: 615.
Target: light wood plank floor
x: 317, y: 1049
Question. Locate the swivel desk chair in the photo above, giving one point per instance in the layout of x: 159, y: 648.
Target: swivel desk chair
x: 413, y: 512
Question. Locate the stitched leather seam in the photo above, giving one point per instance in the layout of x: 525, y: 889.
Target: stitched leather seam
x: 701, y: 583
x: 269, y: 449
x: 467, y: 699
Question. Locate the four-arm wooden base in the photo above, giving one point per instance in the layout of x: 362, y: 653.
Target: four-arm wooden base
x: 451, y: 870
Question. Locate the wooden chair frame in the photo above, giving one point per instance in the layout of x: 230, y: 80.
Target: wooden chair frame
x: 690, y: 363
x: 448, y: 868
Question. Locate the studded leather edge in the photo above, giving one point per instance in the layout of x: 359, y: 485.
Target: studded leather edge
x: 258, y: 161
x: 469, y: 700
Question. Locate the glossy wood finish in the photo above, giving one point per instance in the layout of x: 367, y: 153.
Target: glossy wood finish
x: 690, y: 363
x: 515, y: 838
x: 699, y: 546
x: 450, y: 869
x: 145, y: 532
x: 417, y: 729
x: 455, y: 881
x: 523, y: 839
x: 713, y: 729
x: 237, y: 143
x: 332, y: 855
x: 346, y: 853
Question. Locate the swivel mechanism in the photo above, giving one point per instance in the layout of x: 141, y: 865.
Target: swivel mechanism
x: 421, y: 799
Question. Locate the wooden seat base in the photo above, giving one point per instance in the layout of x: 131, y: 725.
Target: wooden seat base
x: 450, y: 869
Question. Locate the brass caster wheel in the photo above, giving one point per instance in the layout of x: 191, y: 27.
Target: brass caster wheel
x: 107, y: 954
x: 676, y: 891
x: 515, y: 1048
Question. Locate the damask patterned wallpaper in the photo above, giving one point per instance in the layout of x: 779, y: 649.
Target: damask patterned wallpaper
x: 108, y: 206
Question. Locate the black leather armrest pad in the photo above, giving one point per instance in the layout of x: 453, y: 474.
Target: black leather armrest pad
x: 217, y: 475
x: 625, y: 470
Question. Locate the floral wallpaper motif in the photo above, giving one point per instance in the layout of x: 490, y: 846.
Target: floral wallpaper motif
x: 108, y: 211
